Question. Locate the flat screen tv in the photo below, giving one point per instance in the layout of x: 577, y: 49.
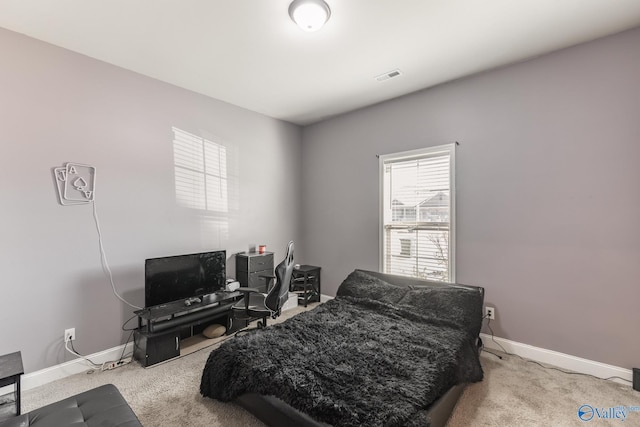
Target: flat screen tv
x: 183, y: 276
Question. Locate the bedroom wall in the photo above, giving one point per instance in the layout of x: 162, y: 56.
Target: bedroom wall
x: 57, y: 106
x: 548, y: 196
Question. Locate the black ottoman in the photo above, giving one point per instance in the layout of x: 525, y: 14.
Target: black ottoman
x: 103, y: 406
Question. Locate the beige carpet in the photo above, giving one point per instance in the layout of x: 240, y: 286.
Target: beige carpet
x: 513, y: 393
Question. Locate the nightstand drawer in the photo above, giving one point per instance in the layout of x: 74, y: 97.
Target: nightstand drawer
x: 254, y: 262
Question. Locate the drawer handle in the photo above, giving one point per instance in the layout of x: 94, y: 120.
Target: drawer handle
x: 177, y: 344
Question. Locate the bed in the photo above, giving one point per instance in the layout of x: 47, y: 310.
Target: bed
x: 387, y: 351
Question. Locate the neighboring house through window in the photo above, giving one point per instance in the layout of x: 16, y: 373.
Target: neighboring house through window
x: 417, y: 218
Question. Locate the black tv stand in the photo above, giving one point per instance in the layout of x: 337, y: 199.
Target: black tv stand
x: 163, y: 328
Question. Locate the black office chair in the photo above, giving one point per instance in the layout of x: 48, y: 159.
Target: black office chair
x: 256, y: 305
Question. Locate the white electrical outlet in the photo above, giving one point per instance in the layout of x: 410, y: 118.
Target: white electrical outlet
x: 490, y: 313
x: 69, y: 334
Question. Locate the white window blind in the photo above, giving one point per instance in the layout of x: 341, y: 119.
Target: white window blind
x: 200, y: 172
x: 418, y: 212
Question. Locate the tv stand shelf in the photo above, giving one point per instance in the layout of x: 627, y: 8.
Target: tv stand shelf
x: 161, y: 328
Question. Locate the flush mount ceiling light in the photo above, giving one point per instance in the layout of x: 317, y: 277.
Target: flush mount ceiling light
x: 310, y: 15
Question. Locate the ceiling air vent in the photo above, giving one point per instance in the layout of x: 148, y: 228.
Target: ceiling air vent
x: 389, y: 75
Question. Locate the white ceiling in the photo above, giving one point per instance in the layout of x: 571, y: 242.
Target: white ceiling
x: 249, y: 53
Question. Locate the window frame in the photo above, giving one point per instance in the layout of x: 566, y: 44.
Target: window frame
x: 411, y: 155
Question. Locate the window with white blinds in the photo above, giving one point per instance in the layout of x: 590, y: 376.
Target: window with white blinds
x: 417, y: 220
x: 200, y: 172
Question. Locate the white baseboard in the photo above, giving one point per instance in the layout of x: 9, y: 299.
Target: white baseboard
x: 560, y: 360
x: 325, y: 298
x: 75, y: 366
x: 557, y: 359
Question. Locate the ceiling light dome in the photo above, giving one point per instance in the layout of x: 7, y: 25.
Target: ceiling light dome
x: 310, y: 15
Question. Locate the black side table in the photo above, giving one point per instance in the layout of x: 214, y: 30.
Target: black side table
x: 305, y: 281
x: 10, y: 371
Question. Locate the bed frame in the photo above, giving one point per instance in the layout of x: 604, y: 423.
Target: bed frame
x: 276, y: 413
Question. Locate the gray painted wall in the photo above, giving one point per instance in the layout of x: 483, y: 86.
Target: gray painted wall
x: 548, y: 200
x: 547, y: 192
x: 57, y: 106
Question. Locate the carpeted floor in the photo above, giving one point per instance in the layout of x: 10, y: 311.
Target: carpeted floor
x: 516, y: 392
x: 513, y: 393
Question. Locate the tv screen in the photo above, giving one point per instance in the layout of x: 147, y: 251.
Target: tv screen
x: 183, y: 276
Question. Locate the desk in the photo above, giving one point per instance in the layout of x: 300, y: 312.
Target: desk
x: 10, y: 371
x: 305, y: 281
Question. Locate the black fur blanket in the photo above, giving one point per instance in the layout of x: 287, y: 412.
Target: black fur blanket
x: 376, y: 355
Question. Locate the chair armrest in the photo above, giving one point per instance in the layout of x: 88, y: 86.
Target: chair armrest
x: 247, y: 292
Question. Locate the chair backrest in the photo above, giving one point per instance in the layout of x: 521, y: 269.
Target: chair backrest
x: 279, y: 293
